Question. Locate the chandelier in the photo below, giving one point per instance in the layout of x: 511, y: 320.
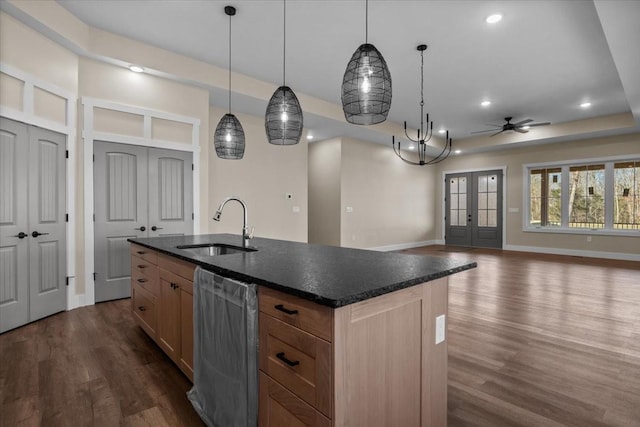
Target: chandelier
x: 424, y: 134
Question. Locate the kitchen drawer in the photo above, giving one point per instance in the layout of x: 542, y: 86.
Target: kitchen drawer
x: 306, y: 315
x: 279, y: 407
x: 298, y: 360
x: 144, y: 309
x: 144, y: 253
x: 147, y: 281
x: 177, y: 266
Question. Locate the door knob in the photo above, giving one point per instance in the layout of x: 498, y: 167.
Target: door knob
x: 21, y: 235
x: 36, y: 234
x: 154, y: 228
x: 143, y: 228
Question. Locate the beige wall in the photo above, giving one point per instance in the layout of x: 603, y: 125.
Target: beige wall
x: 261, y: 179
x: 391, y: 202
x: 514, y: 160
x: 325, y: 170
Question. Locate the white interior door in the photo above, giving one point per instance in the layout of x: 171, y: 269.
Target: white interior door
x: 14, y: 225
x: 32, y: 224
x: 138, y: 192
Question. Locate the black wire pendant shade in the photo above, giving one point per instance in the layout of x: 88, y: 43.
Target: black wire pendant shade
x: 283, y: 120
x: 366, y: 85
x: 423, y: 135
x: 228, y: 138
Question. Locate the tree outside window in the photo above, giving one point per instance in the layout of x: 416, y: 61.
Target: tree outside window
x: 626, y: 206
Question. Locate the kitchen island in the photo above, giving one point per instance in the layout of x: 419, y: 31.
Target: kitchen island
x: 358, y: 328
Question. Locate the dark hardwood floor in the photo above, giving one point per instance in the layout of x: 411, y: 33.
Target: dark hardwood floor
x: 534, y: 340
x: 542, y: 340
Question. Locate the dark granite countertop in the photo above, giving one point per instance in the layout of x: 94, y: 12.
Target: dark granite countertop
x: 327, y: 275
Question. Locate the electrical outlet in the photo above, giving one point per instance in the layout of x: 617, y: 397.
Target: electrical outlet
x: 349, y: 209
x: 441, y: 327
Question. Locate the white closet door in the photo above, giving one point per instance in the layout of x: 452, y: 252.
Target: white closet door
x: 14, y: 251
x: 120, y: 199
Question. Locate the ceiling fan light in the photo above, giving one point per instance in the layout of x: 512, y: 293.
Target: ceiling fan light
x: 366, y: 87
x: 283, y: 119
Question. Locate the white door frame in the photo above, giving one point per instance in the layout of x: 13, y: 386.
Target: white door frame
x: 89, y: 135
x: 504, y: 198
x: 28, y: 116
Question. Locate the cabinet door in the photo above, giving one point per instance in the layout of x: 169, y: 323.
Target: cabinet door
x: 186, y: 348
x: 279, y: 407
x: 169, y: 318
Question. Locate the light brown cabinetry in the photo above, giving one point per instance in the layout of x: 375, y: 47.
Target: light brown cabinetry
x: 162, y: 302
x: 372, y: 363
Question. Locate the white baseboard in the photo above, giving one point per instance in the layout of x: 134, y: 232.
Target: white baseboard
x: 401, y: 246
x: 574, y: 252
x: 77, y: 301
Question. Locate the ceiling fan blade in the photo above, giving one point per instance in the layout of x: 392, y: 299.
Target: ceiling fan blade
x: 491, y: 124
x: 497, y: 133
x: 523, y: 122
x: 539, y: 124
x: 485, y: 131
x: 520, y: 130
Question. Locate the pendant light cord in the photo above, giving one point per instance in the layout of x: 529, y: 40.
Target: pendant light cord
x: 422, y: 92
x: 229, y: 64
x: 366, y: 22
x: 284, y: 43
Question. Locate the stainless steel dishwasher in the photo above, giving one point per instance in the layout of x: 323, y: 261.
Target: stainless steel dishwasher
x: 225, y: 351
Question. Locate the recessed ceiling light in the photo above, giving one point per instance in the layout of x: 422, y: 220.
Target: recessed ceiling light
x: 412, y: 147
x: 492, y: 19
x: 136, y: 69
x: 485, y: 103
x: 442, y: 131
x: 457, y: 151
x: 309, y: 136
x: 525, y: 127
x: 585, y: 105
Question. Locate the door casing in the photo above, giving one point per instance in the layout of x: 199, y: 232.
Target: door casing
x: 443, y: 211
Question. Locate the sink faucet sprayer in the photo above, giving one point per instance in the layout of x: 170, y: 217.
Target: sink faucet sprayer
x: 246, y: 235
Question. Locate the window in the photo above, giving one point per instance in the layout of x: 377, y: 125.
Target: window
x: 545, y: 207
x: 602, y: 195
x: 586, y: 196
x: 626, y: 203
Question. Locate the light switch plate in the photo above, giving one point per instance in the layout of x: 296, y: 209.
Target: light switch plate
x: 441, y: 327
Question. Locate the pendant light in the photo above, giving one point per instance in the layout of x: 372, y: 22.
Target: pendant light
x: 424, y: 134
x: 283, y: 119
x: 366, y: 85
x: 229, y: 136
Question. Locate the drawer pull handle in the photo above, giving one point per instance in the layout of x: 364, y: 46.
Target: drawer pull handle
x: 141, y: 252
x: 142, y: 280
x: 285, y: 310
x: 287, y: 361
x: 142, y: 308
x: 142, y: 266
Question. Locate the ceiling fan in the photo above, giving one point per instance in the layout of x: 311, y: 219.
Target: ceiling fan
x: 521, y: 127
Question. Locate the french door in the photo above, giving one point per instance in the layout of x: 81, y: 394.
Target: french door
x: 473, y: 206
x: 33, y: 265
x: 138, y: 192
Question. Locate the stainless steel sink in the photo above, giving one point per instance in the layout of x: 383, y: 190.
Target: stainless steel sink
x: 214, y: 249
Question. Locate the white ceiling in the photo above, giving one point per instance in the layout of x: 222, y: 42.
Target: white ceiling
x: 540, y: 62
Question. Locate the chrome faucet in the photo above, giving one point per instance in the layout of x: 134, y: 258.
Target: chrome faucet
x: 246, y: 235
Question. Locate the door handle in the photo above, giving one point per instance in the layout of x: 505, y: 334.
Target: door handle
x: 36, y: 234
x: 143, y: 228
x: 154, y: 228
x: 21, y: 235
